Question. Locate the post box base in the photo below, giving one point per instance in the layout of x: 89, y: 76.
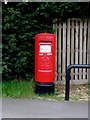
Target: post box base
x: 44, y: 88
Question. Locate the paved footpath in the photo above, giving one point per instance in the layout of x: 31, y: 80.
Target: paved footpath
x: 25, y: 108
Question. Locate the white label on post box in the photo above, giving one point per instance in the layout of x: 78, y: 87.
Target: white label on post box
x: 45, y: 48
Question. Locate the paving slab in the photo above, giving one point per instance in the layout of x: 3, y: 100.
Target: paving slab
x: 25, y: 108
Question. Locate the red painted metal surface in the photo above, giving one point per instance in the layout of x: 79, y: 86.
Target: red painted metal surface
x: 45, y: 57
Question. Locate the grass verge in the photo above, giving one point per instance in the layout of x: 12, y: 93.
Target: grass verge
x: 0, y: 89
x: 25, y: 89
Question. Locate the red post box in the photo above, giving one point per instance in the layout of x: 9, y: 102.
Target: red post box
x: 45, y: 62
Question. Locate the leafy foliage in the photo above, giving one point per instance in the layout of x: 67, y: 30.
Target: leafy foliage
x: 21, y: 21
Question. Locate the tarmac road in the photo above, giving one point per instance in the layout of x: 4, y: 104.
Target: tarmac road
x: 25, y: 108
x: 0, y: 108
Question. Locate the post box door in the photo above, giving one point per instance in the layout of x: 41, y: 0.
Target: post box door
x: 45, y: 56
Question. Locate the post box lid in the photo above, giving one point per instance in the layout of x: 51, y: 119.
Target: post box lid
x: 45, y: 34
